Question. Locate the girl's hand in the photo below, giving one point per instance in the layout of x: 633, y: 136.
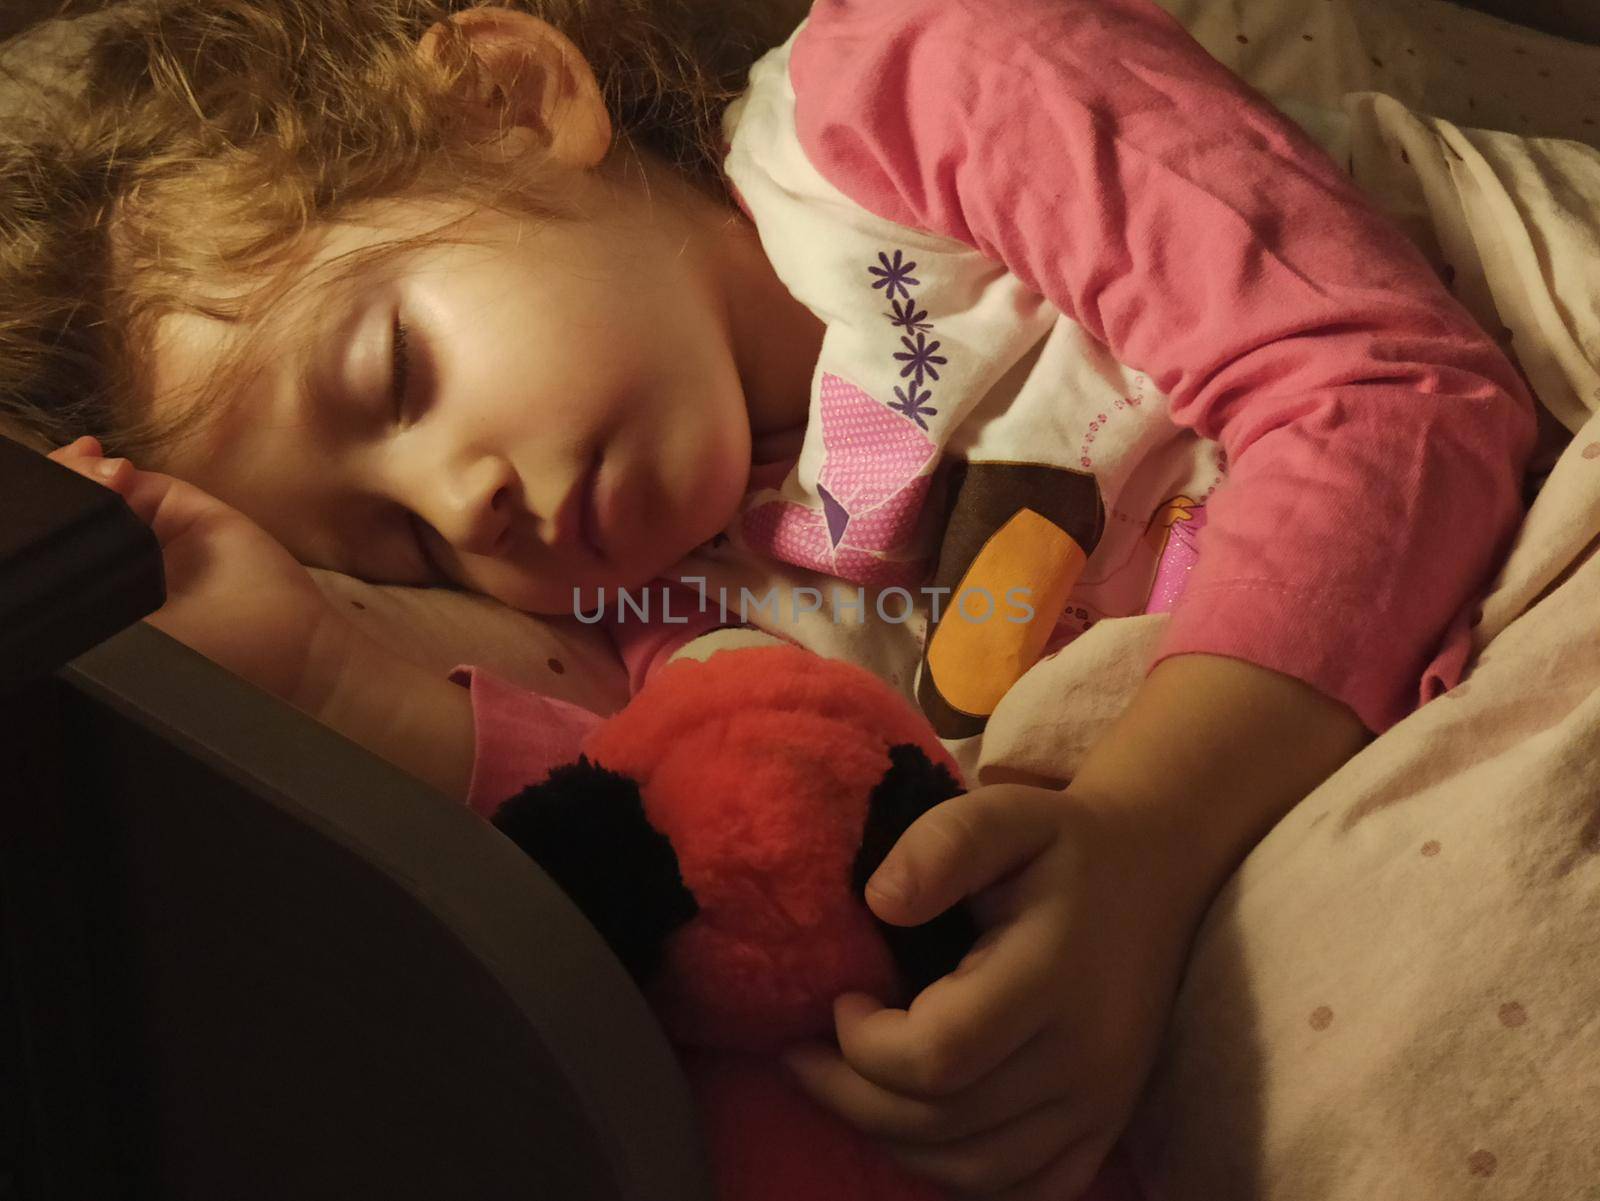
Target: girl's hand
x: 1013, y: 1076
x: 233, y: 592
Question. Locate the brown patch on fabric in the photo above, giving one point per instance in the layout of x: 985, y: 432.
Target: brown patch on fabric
x: 1512, y: 1015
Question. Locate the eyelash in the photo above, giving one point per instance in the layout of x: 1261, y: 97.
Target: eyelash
x: 402, y: 366
x: 402, y: 379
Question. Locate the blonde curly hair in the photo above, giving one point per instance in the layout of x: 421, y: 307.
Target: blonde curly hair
x: 201, y: 138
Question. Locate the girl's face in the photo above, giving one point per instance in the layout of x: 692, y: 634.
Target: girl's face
x: 544, y: 408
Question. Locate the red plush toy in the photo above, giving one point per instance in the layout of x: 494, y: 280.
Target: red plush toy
x: 719, y: 832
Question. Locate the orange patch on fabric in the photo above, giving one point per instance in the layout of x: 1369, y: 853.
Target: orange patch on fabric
x: 973, y: 660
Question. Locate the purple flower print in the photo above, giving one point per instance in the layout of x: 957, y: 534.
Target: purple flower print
x: 908, y: 317
x: 914, y: 404
x: 894, y: 276
x: 919, y: 358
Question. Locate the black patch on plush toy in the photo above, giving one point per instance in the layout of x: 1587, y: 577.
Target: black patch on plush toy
x: 913, y: 785
x: 585, y: 825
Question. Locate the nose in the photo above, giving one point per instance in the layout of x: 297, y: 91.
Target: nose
x: 472, y: 505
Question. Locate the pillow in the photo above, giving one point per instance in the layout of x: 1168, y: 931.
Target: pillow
x: 1432, y: 56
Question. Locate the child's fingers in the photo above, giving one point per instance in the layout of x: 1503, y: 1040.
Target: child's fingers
x: 87, y: 445
x: 168, y: 505
x: 957, y: 848
x: 84, y: 457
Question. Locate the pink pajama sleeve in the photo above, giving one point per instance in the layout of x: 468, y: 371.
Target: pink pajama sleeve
x: 1375, y: 436
x: 518, y: 736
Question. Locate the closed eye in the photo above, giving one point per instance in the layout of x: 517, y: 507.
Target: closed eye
x: 402, y: 367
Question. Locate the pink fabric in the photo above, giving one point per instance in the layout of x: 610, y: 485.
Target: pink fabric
x: 645, y: 645
x: 874, y: 472
x: 1375, y: 436
x: 518, y: 736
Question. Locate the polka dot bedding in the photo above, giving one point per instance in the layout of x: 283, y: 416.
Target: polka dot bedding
x: 1432, y: 56
x: 1396, y: 995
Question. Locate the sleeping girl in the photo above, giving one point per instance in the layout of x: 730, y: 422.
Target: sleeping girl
x: 560, y: 296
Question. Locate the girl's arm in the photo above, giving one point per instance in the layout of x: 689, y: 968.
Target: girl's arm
x: 238, y: 597
x: 477, y: 737
x: 1209, y: 755
x: 398, y: 710
x: 1375, y: 436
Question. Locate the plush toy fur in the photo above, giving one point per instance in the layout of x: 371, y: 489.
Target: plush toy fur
x: 718, y: 832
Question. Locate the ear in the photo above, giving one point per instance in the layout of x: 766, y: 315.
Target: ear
x: 586, y: 827
x: 528, y: 81
x: 913, y: 785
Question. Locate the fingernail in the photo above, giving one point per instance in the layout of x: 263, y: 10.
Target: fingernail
x: 890, y: 886
x: 107, y: 468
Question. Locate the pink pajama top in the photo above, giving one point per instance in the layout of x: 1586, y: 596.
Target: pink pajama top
x: 1089, y: 297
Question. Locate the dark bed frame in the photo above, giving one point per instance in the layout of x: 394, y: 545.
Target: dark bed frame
x: 244, y: 958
